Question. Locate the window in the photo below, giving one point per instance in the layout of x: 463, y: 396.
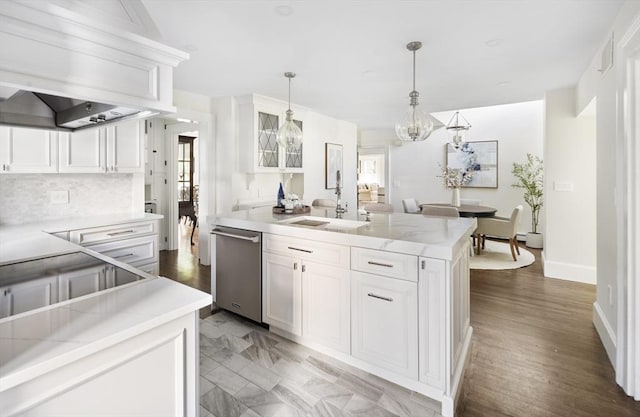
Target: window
x: 185, y: 171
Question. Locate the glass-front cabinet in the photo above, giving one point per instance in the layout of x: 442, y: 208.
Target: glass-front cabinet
x: 259, y: 120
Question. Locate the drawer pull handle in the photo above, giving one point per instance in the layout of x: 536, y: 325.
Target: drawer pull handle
x: 123, y: 256
x: 121, y: 233
x: 300, y: 250
x: 389, y: 299
x: 380, y: 264
x: 236, y: 305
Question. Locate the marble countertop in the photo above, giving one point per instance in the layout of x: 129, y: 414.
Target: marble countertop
x: 31, y: 241
x: 414, y: 234
x: 35, y: 342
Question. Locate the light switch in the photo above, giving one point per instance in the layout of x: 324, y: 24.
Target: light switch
x: 563, y: 186
x: 59, y: 197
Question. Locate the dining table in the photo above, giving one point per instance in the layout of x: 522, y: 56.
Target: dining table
x: 467, y: 210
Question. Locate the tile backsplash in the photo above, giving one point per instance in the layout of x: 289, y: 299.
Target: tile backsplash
x: 26, y: 198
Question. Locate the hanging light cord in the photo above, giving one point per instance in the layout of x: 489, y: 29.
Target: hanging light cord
x: 289, y: 93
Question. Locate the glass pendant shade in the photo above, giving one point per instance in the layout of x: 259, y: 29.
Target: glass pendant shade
x: 416, y: 126
x: 289, y: 135
x: 458, y: 128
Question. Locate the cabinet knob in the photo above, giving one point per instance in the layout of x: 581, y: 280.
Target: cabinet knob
x: 423, y: 264
x: 295, y: 266
x: 304, y: 268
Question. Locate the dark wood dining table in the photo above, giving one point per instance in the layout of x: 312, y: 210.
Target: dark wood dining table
x: 468, y: 210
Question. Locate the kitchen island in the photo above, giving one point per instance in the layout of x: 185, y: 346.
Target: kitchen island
x: 388, y: 294
x: 129, y: 348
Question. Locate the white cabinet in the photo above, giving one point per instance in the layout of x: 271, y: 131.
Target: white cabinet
x: 384, y: 322
x: 282, y: 292
x: 326, y: 305
x: 81, y: 282
x: 114, y: 148
x: 26, y: 296
x: 28, y: 150
x: 431, y: 295
x: 259, y: 121
x: 84, y: 151
x: 125, y: 147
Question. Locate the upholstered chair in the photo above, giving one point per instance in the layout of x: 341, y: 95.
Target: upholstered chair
x: 500, y: 227
x: 410, y: 205
x: 378, y: 207
x: 324, y: 202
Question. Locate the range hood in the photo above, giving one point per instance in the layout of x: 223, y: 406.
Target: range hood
x: 44, y: 111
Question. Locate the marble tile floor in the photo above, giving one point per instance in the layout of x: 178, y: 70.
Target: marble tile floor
x: 245, y: 371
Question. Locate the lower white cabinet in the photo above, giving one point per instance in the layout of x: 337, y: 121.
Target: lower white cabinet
x: 81, y: 282
x: 326, y: 305
x: 282, y: 292
x: 384, y: 322
x: 118, y: 276
x: 433, y: 321
x: 26, y: 296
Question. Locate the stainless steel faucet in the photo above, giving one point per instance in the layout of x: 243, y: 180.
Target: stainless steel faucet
x: 339, y: 208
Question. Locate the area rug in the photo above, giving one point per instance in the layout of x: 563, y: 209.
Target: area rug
x: 497, y: 255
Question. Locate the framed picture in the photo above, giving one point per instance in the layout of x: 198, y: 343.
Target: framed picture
x: 479, y: 158
x: 332, y: 163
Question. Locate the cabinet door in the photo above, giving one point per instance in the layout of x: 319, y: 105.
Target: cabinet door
x: 326, y: 303
x: 81, y: 282
x: 125, y: 148
x: 28, y: 150
x: 84, y: 151
x: 26, y: 296
x: 385, y: 322
x: 114, y: 277
x: 432, y: 321
x: 282, y: 293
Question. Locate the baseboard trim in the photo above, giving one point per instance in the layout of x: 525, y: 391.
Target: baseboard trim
x: 569, y: 272
x: 606, y: 333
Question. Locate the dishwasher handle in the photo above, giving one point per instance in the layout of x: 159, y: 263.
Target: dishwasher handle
x: 253, y: 239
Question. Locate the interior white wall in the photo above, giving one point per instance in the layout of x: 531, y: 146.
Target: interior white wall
x: 603, y: 87
x: 569, y: 158
x: 518, y: 128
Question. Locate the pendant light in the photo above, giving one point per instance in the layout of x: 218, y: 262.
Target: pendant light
x: 417, y: 125
x: 289, y: 135
x: 458, y: 129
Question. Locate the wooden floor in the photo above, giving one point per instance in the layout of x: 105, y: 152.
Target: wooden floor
x: 534, y: 352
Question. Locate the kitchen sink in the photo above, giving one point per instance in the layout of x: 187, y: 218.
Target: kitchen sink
x: 323, y: 223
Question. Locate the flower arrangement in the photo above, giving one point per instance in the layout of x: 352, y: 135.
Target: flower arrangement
x: 455, y: 177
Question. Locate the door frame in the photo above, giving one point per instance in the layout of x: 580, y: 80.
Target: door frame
x: 377, y: 150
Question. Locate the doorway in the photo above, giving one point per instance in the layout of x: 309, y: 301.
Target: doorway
x: 187, y: 188
x: 373, y: 175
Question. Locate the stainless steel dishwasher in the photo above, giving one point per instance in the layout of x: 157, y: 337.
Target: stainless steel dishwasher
x: 238, y: 271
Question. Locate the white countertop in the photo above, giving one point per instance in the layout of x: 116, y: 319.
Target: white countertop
x: 414, y: 234
x: 31, y: 241
x: 38, y: 341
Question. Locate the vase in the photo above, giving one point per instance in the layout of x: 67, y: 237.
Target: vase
x: 455, y: 197
x: 534, y: 240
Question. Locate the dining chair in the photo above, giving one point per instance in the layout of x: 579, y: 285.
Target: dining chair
x: 470, y: 201
x: 444, y: 211
x: 323, y: 202
x: 410, y: 205
x: 500, y: 227
x: 378, y: 207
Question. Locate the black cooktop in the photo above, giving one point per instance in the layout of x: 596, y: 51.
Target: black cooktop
x: 33, y: 284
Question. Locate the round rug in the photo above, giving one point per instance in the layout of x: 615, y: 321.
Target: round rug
x: 497, y: 255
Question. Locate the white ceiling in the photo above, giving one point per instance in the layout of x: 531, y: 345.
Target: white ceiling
x: 351, y: 59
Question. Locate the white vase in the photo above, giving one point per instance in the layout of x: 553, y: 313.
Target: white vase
x: 455, y: 197
x: 534, y: 240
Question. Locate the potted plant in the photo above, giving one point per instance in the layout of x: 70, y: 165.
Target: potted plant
x: 529, y: 177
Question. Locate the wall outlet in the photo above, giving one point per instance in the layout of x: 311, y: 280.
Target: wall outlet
x: 565, y: 186
x: 59, y: 197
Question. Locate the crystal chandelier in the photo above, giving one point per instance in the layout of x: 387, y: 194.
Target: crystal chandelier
x: 458, y: 129
x: 289, y: 135
x: 417, y: 124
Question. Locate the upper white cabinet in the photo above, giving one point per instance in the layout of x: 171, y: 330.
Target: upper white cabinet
x: 84, y: 151
x: 259, y: 121
x: 28, y: 150
x: 115, y: 148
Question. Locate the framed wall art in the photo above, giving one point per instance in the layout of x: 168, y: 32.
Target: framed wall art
x: 333, y: 164
x: 478, y: 158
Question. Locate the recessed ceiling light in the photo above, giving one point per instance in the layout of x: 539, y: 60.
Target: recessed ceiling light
x: 493, y: 42
x: 283, y: 10
x: 503, y: 83
x: 367, y: 73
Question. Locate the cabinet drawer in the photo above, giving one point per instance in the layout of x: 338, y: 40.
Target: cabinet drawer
x: 385, y: 263
x: 140, y: 250
x: 114, y: 232
x: 326, y: 253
